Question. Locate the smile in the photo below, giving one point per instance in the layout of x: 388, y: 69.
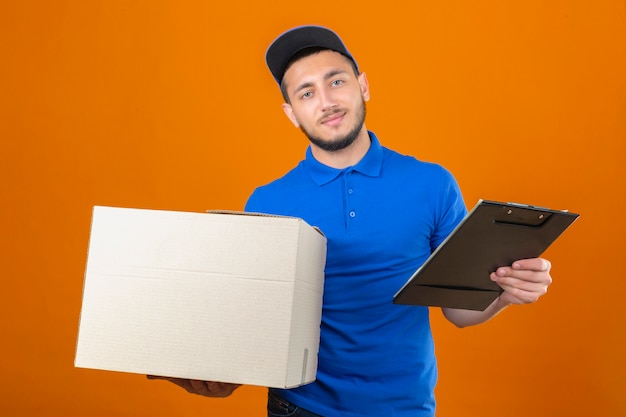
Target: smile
x: 334, y: 119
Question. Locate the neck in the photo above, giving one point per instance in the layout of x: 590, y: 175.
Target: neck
x: 345, y: 157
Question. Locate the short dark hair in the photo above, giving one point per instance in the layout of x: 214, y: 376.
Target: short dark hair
x: 303, y: 54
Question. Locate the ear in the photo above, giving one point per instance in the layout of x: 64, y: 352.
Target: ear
x: 289, y: 112
x: 365, y: 87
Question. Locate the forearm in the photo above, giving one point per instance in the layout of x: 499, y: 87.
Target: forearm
x: 465, y: 318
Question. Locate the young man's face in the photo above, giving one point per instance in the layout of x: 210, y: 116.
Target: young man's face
x: 327, y: 99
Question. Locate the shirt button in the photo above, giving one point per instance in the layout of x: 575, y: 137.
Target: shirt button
x: 350, y: 190
x: 352, y: 214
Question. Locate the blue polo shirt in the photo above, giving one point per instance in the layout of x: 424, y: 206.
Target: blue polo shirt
x: 382, y: 218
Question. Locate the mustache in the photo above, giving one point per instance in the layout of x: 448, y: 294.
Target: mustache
x: 331, y: 114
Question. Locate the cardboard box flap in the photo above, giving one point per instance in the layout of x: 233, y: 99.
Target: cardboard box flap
x: 252, y: 213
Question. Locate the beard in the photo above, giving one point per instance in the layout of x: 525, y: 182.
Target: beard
x: 342, y: 142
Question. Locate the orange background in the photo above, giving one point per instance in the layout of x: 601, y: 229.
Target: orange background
x: 168, y: 105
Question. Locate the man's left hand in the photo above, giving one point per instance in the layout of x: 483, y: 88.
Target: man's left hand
x: 524, y: 281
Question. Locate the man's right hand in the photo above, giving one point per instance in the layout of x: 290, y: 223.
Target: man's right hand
x: 205, y: 388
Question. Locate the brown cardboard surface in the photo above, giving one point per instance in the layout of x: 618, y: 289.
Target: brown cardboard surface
x: 223, y: 297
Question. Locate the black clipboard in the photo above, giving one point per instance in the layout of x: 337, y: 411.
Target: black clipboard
x: 493, y: 234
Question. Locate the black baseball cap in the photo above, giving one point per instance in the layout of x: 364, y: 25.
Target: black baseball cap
x: 297, y: 39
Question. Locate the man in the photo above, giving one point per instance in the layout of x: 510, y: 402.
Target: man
x: 383, y: 214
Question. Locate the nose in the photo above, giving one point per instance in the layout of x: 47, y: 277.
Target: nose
x: 327, y: 99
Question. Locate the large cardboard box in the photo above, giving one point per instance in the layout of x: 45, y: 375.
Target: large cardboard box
x: 228, y: 297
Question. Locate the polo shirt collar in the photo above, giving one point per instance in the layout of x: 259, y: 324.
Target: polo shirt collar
x: 369, y: 165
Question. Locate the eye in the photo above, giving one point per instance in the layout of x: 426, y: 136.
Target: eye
x: 306, y: 95
x: 337, y: 83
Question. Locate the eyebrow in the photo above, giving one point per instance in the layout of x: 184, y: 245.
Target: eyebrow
x: 328, y: 75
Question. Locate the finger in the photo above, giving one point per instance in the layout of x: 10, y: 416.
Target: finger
x: 534, y: 264
x: 205, y: 388
x: 198, y: 387
x: 183, y: 383
x: 542, y: 274
x: 209, y: 388
x: 518, y: 295
x: 221, y: 389
x: 526, y: 285
x: 510, y: 276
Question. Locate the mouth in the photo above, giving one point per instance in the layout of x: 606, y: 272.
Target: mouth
x: 333, y: 119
